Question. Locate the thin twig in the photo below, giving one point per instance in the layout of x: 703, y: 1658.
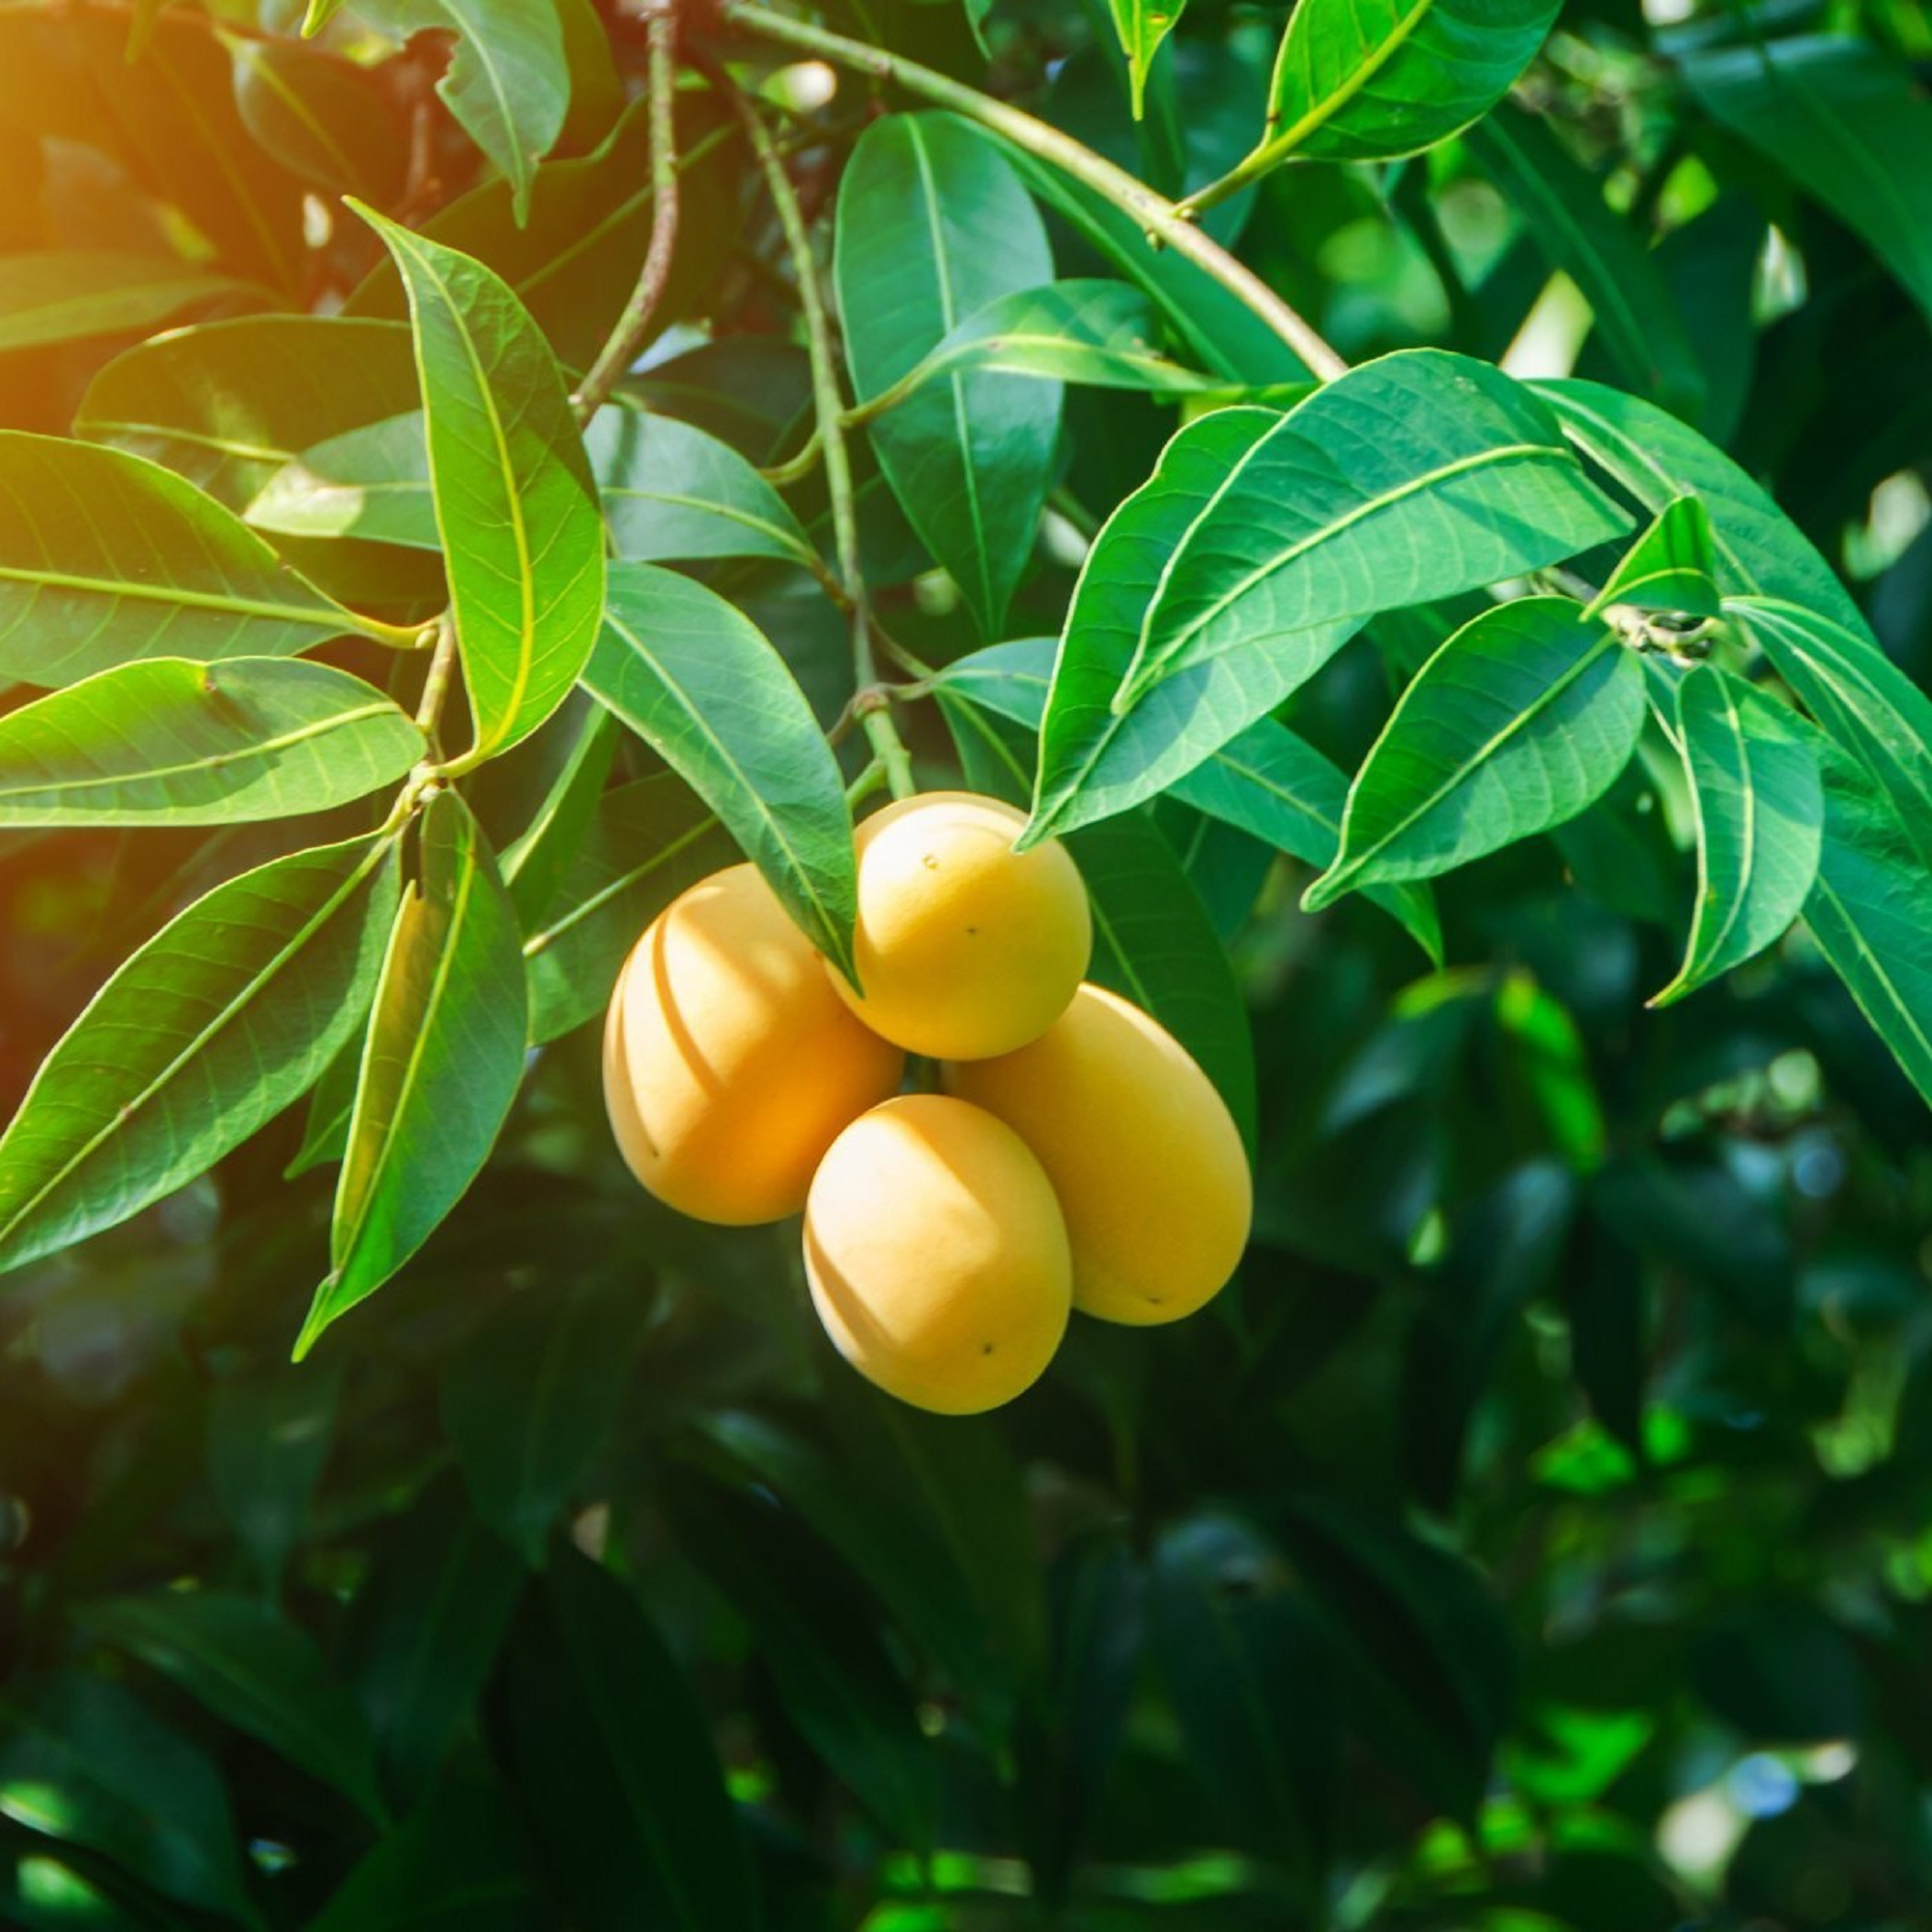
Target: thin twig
x: 436, y: 683
x: 625, y: 341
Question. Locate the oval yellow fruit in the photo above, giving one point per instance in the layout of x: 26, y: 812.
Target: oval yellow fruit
x: 937, y: 1256
x: 730, y: 1063
x: 1147, y: 1163
x: 964, y: 947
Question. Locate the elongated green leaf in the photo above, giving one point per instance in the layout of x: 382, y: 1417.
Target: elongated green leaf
x: 67, y: 295
x: 522, y: 538
x: 1265, y: 780
x: 931, y: 226
x: 1524, y: 717
x: 702, y: 686
x: 1872, y: 915
x: 1576, y: 230
x: 104, y: 558
x: 1367, y: 80
x: 442, y: 1065
x: 528, y: 1402
x: 1760, y: 814
x: 534, y: 862
x: 1261, y: 543
x: 164, y: 742
x: 88, y: 1763
x: 221, y: 1019
x: 254, y: 1670
x: 615, y: 1765
x: 669, y: 491
x: 1671, y: 567
x: 1142, y: 25
x: 648, y: 841
x: 1849, y: 125
x: 327, y: 119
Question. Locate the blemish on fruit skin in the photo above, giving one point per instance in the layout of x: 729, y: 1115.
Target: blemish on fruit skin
x: 930, y: 860
x: 985, y: 1348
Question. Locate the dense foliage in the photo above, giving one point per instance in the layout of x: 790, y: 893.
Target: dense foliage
x: 1461, y: 584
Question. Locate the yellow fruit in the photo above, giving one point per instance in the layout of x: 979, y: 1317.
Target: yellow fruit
x: 937, y: 1255
x: 729, y: 1063
x: 1141, y: 1149
x: 964, y: 947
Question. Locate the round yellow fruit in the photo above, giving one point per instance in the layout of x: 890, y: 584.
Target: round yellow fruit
x: 937, y: 1255
x: 730, y: 1063
x: 1147, y: 1163
x: 964, y: 947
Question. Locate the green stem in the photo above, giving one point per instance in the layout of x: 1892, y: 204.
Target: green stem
x: 626, y: 340
x: 1162, y: 223
x: 435, y: 686
x: 882, y: 734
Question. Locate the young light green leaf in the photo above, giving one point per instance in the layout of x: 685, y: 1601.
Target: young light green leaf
x: 325, y: 118
x: 523, y: 540
x: 1672, y: 567
x: 1142, y: 25
x: 1760, y: 810
x: 703, y: 687
x: 1524, y: 718
x: 932, y: 224
x: 221, y: 1020
x: 1576, y: 230
x: 1368, y: 81
x: 164, y: 742
x: 254, y: 1670
x: 67, y: 295
x: 441, y: 1064
x: 1847, y: 123
x: 106, y: 559
x: 648, y: 841
x: 1262, y: 543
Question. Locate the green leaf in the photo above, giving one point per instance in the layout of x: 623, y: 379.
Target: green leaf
x: 647, y: 843
x: 579, y: 746
x: 425, y: 1630
x: 932, y: 225
x: 1760, y: 813
x: 1672, y: 567
x: 269, y: 1435
x: 1261, y: 543
x: 507, y: 84
x: 87, y: 1763
x: 106, y: 558
x: 522, y: 537
x: 221, y: 1020
x: 67, y: 295
x: 703, y: 687
x: 441, y: 1064
x: 1872, y: 915
x: 164, y: 742
x: 1142, y: 25
x: 528, y: 1402
x: 1847, y: 123
x: 1577, y: 231
x: 254, y: 1670
x: 1368, y: 81
x: 613, y: 1761
x: 327, y: 119
x: 1524, y: 717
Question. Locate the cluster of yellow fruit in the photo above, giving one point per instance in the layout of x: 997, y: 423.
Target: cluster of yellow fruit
x: 1077, y: 1157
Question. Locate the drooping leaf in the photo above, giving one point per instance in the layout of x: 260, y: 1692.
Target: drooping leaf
x: 1262, y: 543
x: 575, y: 750
x: 441, y: 1064
x: 269, y: 1435
x: 1524, y: 717
x: 613, y: 1762
x: 165, y: 742
x: 325, y: 118
x: 66, y: 295
x: 522, y: 541
x: 1760, y: 814
x: 221, y: 1019
x: 647, y: 843
x: 1672, y: 567
x: 931, y: 226
x: 703, y: 687
x: 255, y: 1670
x: 1368, y: 80
x: 1576, y: 230
x: 1848, y: 124
x: 1142, y: 26
x: 106, y: 558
